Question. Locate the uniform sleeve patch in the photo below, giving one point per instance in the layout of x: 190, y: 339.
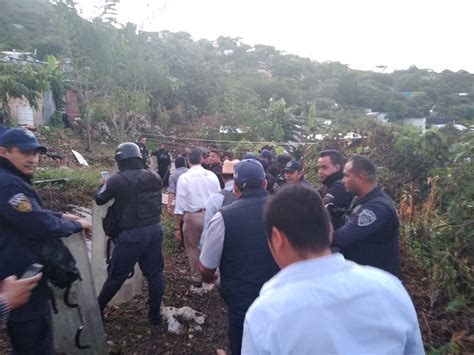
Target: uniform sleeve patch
x: 366, y: 218
x: 328, y: 199
x: 21, y: 203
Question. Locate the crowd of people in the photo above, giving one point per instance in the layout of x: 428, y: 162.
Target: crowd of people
x: 302, y: 269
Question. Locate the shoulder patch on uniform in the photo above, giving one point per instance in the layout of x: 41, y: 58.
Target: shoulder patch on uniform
x: 21, y: 203
x: 328, y: 198
x: 366, y: 218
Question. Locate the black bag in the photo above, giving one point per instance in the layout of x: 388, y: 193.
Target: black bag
x: 59, y: 264
x: 110, y: 225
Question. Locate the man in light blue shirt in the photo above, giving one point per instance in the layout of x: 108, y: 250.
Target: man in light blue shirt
x: 321, y: 303
x: 222, y: 198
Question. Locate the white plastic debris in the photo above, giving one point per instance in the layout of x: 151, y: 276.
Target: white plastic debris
x: 172, y: 314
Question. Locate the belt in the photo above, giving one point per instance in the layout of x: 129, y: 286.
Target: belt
x: 198, y: 211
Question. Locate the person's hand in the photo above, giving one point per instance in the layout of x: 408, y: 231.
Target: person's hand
x: 177, y: 235
x: 70, y: 217
x: 86, y: 226
x: 17, y: 292
x: 170, y: 210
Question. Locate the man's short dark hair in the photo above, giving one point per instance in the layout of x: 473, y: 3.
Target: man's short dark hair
x: 180, y: 162
x: 362, y: 165
x: 334, y: 155
x: 298, y: 211
x: 215, y: 151
x: 195, y: 157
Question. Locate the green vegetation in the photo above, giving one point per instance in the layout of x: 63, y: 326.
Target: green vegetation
x: 165, y: 82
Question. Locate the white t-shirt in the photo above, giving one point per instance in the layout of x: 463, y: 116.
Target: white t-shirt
x: 329, y: 305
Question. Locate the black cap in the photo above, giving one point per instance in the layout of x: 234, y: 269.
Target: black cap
x: 23, y: 139
x: 292, y: 166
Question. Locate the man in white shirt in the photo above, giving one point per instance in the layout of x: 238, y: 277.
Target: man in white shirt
x: 320, y: 303
x: 192, y: 193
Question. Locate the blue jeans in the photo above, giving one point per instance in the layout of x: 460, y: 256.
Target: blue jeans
x: 142, y: 245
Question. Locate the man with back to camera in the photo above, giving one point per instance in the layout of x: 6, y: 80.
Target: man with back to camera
x: 137, y: 211
x: 192, y: 193
x: 370, y: 234
x: 333, y: 192
x: 180, y: 165
x: 24, y: 229
x: 235, y: 243
x: 222, y: 198
x: 320, y: 303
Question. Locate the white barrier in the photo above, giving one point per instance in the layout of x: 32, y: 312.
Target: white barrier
x: 68, y: 321
x: 132, y: 286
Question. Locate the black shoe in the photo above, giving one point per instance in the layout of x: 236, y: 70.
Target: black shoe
x: 195, y: 283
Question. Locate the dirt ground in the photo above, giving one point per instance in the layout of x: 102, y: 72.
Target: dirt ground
x: 129, y: 332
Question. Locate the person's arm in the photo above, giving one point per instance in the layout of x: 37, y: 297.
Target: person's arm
x: 366, y: 222
x: 169, y: 202
x: 249, y: 343
x: 211, y: 253
x: 23, y: 211
x: 15, y: 293
x: 109, y: 189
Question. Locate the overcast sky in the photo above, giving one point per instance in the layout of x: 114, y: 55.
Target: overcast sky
x: 434, y: 34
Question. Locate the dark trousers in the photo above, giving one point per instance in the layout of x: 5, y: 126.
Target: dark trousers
x: 142, y: 245
x: 32, y: 337
x: 164, y: 172
x: 236, y: 329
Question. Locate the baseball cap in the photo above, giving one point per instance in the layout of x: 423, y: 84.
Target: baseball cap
x: 249, y: 173
x: 228, y: 166
x: 292, y: 166
x: 23, y: 139
x: 250, y: 155
x: 266, y: 154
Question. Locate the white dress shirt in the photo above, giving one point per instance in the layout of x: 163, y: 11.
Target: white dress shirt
x: 329, y: 305
x: 194, y: 189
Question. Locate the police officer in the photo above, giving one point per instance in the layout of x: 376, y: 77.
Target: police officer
x: 144, y: 152
x: 335, y: 196
x: 137, y: 211
x: 293, y: 172
x: 370, y: 234
x: 24, y: 228
x: 236, y: 244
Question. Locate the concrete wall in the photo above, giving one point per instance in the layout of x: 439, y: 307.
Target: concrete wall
x: 19, y: 109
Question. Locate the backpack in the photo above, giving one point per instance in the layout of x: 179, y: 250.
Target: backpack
x: 59, y: 264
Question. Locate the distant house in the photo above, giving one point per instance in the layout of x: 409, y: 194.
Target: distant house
x: 20, y: 110
x: 379, y: 116
x: 439, y: 122
x: 418, y: 123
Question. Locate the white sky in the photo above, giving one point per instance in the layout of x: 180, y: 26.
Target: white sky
x: 434, y: 34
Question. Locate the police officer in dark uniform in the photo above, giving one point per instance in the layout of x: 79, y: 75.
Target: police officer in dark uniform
x: 163, y: 161
x: 335, y: 196
x: 137, y: 211
x: 24, y: 228
x: 144, y: 152
x: 370, y: 235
